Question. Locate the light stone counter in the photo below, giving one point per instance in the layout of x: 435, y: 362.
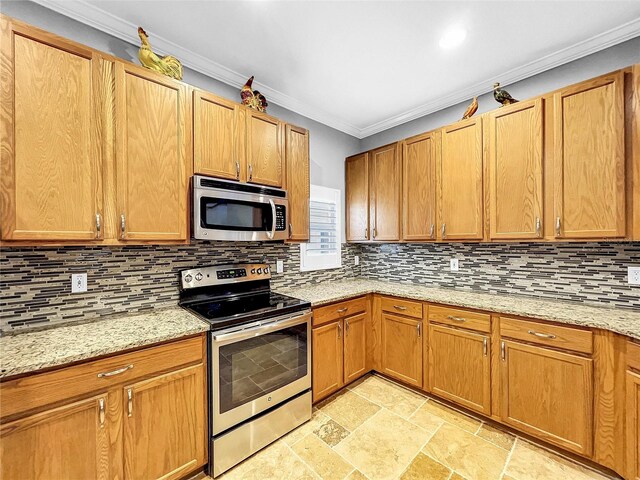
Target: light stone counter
x: 31, y: 351
x: 626, y: 322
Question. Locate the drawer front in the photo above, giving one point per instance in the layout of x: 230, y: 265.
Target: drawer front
x: 322, y: 315
x: 566, y: 338
x: 633, y: 355
x: 456, y: 317
x: 38, y: 390
x: 402, y: 307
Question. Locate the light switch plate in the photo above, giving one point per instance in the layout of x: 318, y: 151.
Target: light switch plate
x: 279, y: 266
x: 78, y: 282
x: 633, y: 275
x: 356, y: 260
x: 453, y: 263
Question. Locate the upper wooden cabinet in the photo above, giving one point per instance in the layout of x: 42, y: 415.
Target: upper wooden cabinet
x: 385, y: 190
x: 357, y: 197
x: 264, y: 149
x: 419, y: 187
x: 152, y: 155
x: 218, y: 136
x: 297, y: 175
x: 460, y: 181
x: 589, y: 159
x: 515, y: 171
x: 51, y: 167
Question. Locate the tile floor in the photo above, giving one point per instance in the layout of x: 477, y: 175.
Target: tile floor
x: 377, y: 430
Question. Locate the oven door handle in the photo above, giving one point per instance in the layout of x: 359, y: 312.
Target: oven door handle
x: 271, y: 233
x: 263, y: 329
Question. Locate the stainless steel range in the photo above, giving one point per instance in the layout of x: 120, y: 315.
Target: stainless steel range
x: 259, y: 358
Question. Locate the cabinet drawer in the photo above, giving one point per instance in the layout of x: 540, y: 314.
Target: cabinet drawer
x: 339, y: 310
x: 39, y: 390
x: 566, y: 338
x: 402, y: 307
x: 456, y: 317
x: 633, y: 355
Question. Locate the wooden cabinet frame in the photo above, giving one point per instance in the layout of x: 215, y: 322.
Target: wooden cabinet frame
x: 357, y: 197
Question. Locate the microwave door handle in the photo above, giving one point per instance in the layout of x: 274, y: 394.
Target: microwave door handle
x: 271, y: 233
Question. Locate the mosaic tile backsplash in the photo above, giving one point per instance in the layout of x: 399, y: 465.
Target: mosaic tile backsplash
x: 35, y: 283
x: 586, y: 272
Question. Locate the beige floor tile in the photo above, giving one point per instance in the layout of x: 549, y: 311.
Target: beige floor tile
x: 425, y: 418
x: 276, y: 462
x: 452, y: 416
x: 465, y: 453
x: 383, y: 446
x: 399, y: 400
x: 331, y: 432
x: 457, y: 476
x: 425, y: 468
x: 356, y: 475
x: 322, y: 459
x: 318, y: 419
x: 497, y: 437
x: 349, y: 409
x: 529, y: 462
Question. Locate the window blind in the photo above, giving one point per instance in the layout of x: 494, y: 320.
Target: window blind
x: 323, y: 228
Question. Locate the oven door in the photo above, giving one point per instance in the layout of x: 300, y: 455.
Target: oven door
x: 259, y: 367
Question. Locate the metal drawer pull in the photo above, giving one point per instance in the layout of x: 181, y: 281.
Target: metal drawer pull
x: 129, y: 402
x: 557, y: 226
x: 346, y: 325
x: 115, y: 372
x: 375, y: 232
x: 444, y: 230
x: 98, y: 225
x: 123, y: 225
x: 339, y: 329
x: 341, y: 310
x: 101, y: 407
x: 419, y: 327
x: 538, y: 226
x: 366, y: 234
x: 290, y: 230
x: 237, y: 170
x: 250, y: 172
x: 542, y: 335
x: 432, y: 231
x: 503, y: 354
x: 484, y: 346
x: 399, y: 307
x: 457, y: 319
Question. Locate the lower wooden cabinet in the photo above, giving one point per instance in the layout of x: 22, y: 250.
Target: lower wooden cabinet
x: 355, y: 347
x: 548, y: 394
x: 327, y: 351
x: 633, y: 424
x: 460, y: 367
x: 402, y: 348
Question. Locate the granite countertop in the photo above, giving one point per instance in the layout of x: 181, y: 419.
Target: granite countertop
x: 34, y: 350
x: 625, y: 322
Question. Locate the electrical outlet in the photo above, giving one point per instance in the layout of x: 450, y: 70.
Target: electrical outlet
x: 279, y: 266
x: 356, y: 260
x: 633, y: 275
x: 453, y: 263
x: 78, y: 282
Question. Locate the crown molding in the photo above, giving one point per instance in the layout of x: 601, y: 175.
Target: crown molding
x: 99, y: 19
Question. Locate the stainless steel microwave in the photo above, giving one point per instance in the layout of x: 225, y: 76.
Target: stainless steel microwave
x: 224, y: 210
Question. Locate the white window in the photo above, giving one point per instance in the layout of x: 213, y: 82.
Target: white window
x: 324, y: 248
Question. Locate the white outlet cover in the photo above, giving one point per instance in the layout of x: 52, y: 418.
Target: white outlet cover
x: 356, y: 260
x: 78, y: 282
x: 279, y: 266
x: 633, y: 275
x: 453, y: 263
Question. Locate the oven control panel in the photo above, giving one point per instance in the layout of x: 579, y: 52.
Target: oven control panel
x: 223, y: 274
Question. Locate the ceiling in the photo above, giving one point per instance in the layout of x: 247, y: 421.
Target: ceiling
x: 365, y: 66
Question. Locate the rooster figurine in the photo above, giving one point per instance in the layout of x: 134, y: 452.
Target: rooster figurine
x: 253, y: 98
x: 471, y: 109
x: 168, y: 65
x: 502, y: 96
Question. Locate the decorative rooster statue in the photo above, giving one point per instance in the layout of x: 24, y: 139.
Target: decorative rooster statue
x: 471, y: 109
x: 502, y: 96
x: 253, y: 98
x: 169, y: 65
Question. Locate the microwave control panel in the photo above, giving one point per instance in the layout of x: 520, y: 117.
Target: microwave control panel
x: 281, y: 216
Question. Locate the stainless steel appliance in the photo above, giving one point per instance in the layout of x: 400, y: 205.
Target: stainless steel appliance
x: 259, y: 358
x: 225, y: 210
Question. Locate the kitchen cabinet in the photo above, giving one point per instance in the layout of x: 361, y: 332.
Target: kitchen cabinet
x: 460, y: 366
x: 402, y: 348
x: 589, y: 159
x: 355, y: 347
x: 297, y: 175
x: 460, y: 185
x: 265, y: 147
x: 218, y: 137
x: 357, y: 197
x: 51, y: 162
x: 548, y: 394
x: 419, y: 187
x: 385, y: 190
x: 153, y: 160
x: 515, y: 171
x: 633, y: 424
x: 327, y: 360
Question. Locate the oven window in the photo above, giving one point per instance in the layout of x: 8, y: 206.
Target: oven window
x: 252, y: 368
x: 237, y: 215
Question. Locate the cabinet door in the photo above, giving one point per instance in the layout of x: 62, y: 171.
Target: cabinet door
x: 548, y: 394
x: 633, y: 425
x: 515, y: 171
x: 357, y: 197
x: 355, y: 347
x: 460, y: 181
x: 460, y: 367
x: 165, y: 426
x: 71, y: 441
x: 297, y: 174
x: 419, y: 187
x: 402, y: 348
x: 50, y: 153
x: 264, y: 149
x: 589, y: 178
x: 327, y: 351
x: 152, y: 159
x: 385, y: 189
x: 218, y: 136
